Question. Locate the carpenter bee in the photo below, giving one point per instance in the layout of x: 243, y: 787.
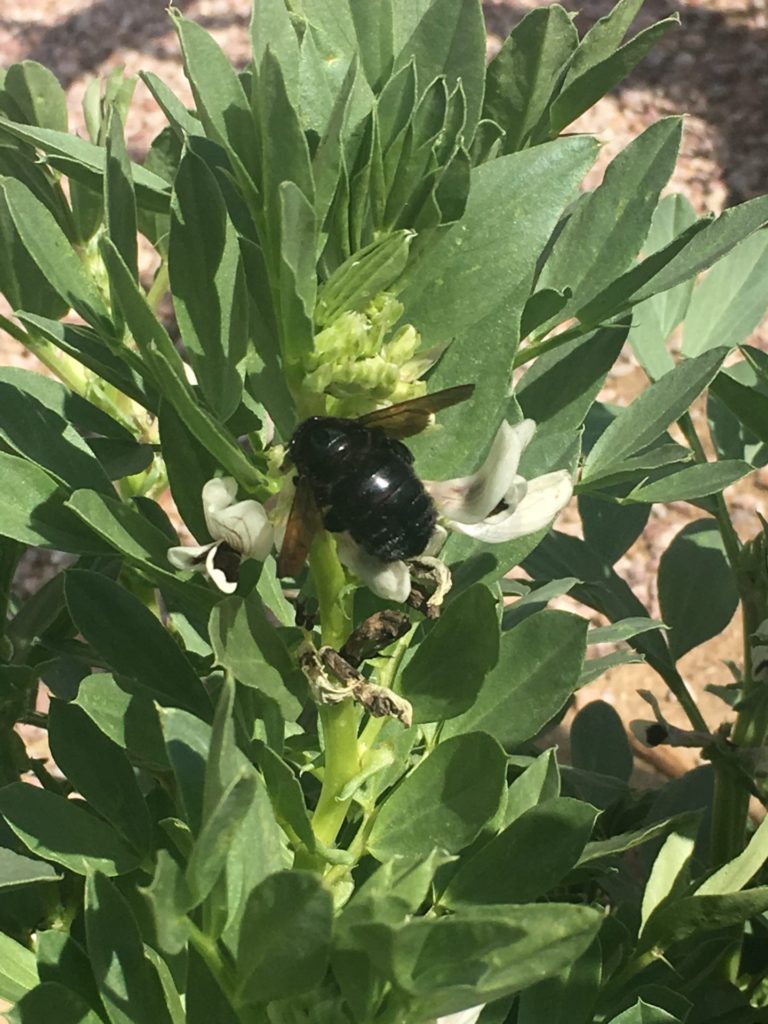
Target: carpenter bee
x: 357, y: 475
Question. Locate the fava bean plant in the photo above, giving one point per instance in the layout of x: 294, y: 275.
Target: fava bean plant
x: 322, y: 799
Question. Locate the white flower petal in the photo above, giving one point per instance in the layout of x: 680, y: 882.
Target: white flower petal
x: 469, y: 1016
x: 218, y: 494
x: 191, y: 557
x: 544, y: 498
x: 218, y: 576
x: 470, y: 499
x: 390, y: 580
x: 245, y: 527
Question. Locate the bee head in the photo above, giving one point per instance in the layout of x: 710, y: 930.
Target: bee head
x: 320, y: 442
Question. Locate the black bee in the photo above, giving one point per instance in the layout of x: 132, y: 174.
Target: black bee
x: 356, y: 475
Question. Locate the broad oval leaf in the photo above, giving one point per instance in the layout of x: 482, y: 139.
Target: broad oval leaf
x: 58, y: 830
x: 503, y: 870
x: 444, y: 802
x: 697, y: 589
x: 285, y: 937
x: 444, y: 675
x: 537, y: 671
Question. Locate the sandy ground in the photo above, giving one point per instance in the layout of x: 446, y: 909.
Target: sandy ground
x: 714, y: 68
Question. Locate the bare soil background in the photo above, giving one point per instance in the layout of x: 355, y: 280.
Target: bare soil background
x: 714, y: 68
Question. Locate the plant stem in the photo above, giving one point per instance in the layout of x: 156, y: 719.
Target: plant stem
x: 340, y: 722
x: 208, y: 951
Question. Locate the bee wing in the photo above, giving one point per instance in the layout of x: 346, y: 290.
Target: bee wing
x: 303, y: 523
x: 411, y: 417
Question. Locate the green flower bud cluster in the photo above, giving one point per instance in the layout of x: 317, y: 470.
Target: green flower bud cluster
x: 355, y: 367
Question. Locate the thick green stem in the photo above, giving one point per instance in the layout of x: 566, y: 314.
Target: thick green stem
x: 208, y: 951
x: 340, y: 721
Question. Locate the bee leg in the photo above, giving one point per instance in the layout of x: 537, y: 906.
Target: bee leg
x: 437, y: 576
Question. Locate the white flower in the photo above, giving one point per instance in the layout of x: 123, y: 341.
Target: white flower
x: 469, y: 1016
x: 240, y: 529
x: 494, y: 505
x: 390, y: 580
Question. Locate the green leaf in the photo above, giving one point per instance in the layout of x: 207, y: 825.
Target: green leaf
x: 707, y: 246
x: 85, y: 161
x: 644, y: 1013
x: 559, y: 554
x: 128, y: 719
x: 208, y: 284
x: 181, y: 119
x: 52, y: 1001
x: 59, y: 830
x: 212, y: 846
x: 648, y: 416
x: 474, y: 286
x: 480, y: 954
x: 654, y: 320
x: 128, y: 982
x: 220, y: 101
x: 38, y: 94
x: 119, y: 196
x: 624, y: 629
x: 63, y: 960
x: 170, y: 899
x: 285, y: 938
x: 34, y: 430
x: 523, y: 76
x: 693, y: 915
x: 593, y: 668
x: 250, y: 647
x: 558, y: 390
x: 297, y: 274
x: 579, y: 94
x: 23, y: 283
x: 271, y: 27
x: 126, y: 530
x: 18, y: 970
x: 444, y: 37
x: 535, y: 600
x: 609, y: 528
x: 124, y: 371
x: 599, y: 742
x: 447, y: 670
x: 189, y: 466
x: 731, y: 300
x: 539, y: 782
x: 285, y: 792
x: 691, y: 483
x: 604, y: 38
x: 32, y: 510
x: 17, y: 871
x: 694, y: 564
x: 608, y: 226
x: 611, y: 847
x: 444, y: 802
x: 737, y: 873
x: 537, y: 671
x: 78, y: 744
x: 738, y: 388
x: 503, y: 871
x: 52, y: 251
x: 157, y: 663
x: 569, y: 997
x: 257, y: 849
